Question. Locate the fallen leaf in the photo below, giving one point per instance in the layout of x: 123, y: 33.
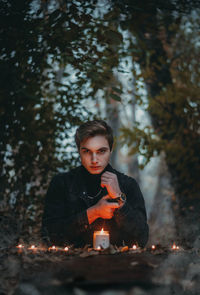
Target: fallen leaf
x: 124, y: 249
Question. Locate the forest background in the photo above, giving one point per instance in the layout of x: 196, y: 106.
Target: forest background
x: 64, y: 62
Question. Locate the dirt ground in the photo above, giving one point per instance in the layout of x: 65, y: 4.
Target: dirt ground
x: 111, y: 272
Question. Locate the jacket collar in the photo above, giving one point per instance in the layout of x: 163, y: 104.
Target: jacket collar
x: 78, y: 185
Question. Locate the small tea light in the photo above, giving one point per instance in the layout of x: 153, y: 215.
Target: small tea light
x: 153, y: 247
x: 52, y: 248
x: 174, y: 247
x: 134, y: 247
x: 66, y: 249
x: 20, y: 248
x: 101, y: 239
x: 33, y: 248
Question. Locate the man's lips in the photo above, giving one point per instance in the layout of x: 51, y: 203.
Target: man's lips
x: 95, y: 167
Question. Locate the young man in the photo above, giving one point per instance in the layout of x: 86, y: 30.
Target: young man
x: 94, y: 196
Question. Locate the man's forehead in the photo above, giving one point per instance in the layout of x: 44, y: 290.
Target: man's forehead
x: 96, y: 143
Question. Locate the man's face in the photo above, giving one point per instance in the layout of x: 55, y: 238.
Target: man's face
x: 95, y: 153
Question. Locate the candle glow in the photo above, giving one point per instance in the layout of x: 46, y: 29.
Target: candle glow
x: 20, y: 246
x: 33, y: 248
x: 174, y: 247
x: 52, y: 248
x: 101, y: 240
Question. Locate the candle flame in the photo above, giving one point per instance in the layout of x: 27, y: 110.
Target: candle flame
x: 101, y: 232
x: 20, y: 246
x: 153, y: 247
x: 53, y: 248
x: 174, y: 247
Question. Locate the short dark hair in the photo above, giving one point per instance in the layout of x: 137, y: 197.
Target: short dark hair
x: 93, y: 128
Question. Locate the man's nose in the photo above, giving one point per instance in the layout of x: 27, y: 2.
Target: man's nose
x: 94, y: 158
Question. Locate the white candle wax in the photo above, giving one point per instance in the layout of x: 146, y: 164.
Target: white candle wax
x: 101, y: 239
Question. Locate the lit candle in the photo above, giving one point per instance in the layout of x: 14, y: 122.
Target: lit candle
x: 134, y: 247
x: 101, y: 239
x: 66, y: 249
x: 33, y: 248
x: 174, y: 247
x: 153, y: 247
x: 20, y: 248
x: 53, y: 248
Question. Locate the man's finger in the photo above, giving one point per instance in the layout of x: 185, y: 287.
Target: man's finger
x: 106, y: 179
x: 107, y: 173
x: 106, y: 197
x: 103, y: 184
x: 113, y: 205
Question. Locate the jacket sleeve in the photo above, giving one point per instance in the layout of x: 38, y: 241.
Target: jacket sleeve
x: 60, y: 224
x: 131, y: 217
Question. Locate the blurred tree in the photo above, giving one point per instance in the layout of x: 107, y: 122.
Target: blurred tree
x: 51, y: 61
x: 166, y: 48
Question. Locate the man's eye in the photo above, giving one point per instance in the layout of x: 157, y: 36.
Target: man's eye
x: 102, y: 151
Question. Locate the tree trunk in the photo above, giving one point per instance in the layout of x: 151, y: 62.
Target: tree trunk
x: 161, y: 220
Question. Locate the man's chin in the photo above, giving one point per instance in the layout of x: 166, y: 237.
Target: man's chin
x: 95, y: 170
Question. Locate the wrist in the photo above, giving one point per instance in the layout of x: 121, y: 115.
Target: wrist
x: 95, y: 211
x: 116, y: 195
x: 92, y: 214
x: 121, y: 199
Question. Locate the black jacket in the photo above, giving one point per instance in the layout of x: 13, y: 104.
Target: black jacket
x: 65, y: 214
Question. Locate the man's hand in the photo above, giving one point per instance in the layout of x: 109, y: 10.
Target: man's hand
x: 106, y: 209
x: 103, y: 209
x: 110, y: 181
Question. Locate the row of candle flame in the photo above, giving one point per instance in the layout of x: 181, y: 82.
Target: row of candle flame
x: 34, y: 248
x: 54, y: 248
